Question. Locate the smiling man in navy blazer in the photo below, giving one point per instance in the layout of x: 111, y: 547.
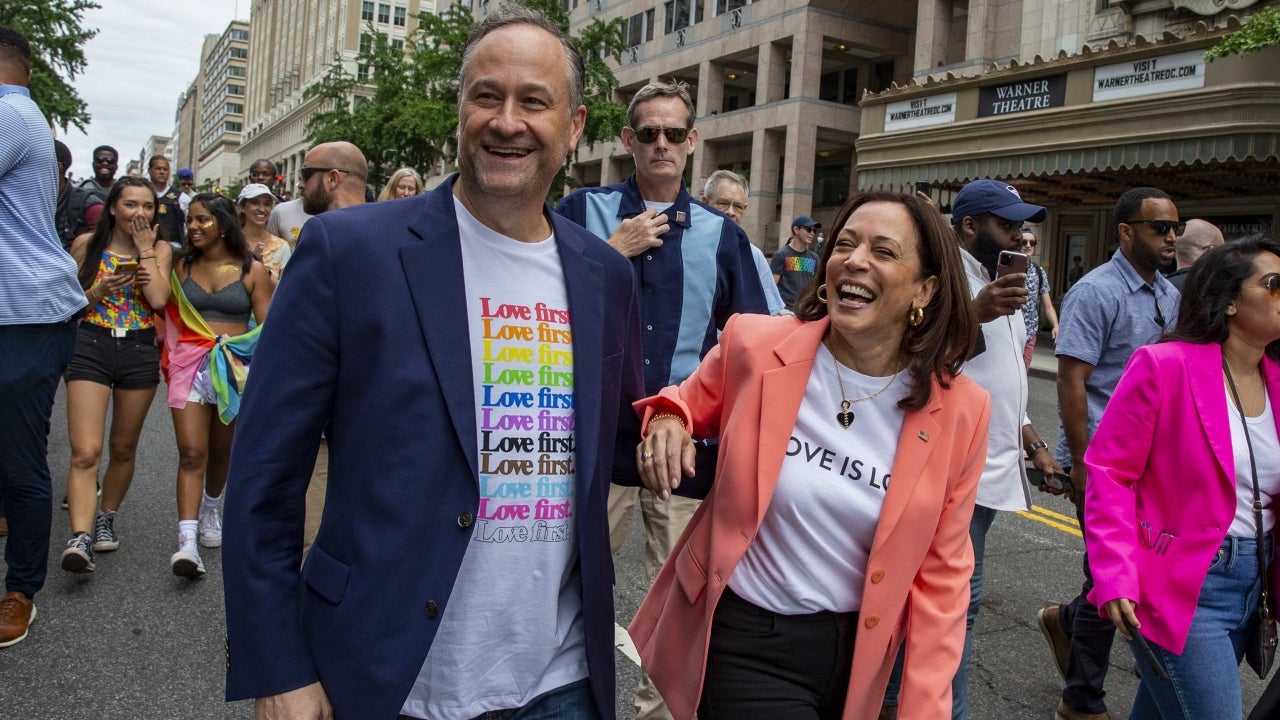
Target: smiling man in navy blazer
x: 470, y: 356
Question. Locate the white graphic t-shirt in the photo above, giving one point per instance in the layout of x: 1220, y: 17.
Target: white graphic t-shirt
x: 513, y: 628
x: 811, y: 551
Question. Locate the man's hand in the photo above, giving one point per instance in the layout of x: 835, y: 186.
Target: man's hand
x: 639, y: 233
x: 306, y: 703
x: 1119, y: 609
x: 1044, y: 462
x: 1005, y: 296
x: 1079, y: 475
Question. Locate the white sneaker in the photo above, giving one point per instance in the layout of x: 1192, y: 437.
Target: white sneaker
x: 210, y: 527
x: 186, y: 562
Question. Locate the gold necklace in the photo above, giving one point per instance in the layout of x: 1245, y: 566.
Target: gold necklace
x: 845, y: 416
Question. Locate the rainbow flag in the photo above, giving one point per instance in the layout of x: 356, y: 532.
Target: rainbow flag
x: 188, y: 341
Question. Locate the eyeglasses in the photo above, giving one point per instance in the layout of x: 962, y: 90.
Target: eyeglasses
x: 305, y: 173
x: 725, y: 205
x: 1161, y: 227
x: 1271, y: 283
x: 1159, y: 314
x: 649, y: 135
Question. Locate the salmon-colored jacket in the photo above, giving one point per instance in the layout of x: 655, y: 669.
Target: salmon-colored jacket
x: 747, y: 392
x: 1162, y: 456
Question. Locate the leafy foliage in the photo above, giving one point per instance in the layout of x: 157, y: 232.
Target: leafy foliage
x: 1260, y: 31
x: 406, y: 112
x: 57, y: 34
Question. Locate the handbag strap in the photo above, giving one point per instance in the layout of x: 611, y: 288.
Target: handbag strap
x: 1263, y: 575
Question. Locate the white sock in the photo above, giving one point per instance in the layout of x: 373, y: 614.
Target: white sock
x: 209, y: 502
x: 188, y: 529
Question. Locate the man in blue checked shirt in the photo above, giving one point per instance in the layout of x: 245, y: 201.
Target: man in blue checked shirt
x: 694, y: 269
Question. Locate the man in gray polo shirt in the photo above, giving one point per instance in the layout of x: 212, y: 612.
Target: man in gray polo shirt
x: 1116, y: 308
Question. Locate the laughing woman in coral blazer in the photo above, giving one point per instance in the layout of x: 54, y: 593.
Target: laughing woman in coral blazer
x: 1169, y: 502
x: 837, y: 526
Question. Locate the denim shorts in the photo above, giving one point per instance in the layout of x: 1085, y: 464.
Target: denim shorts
x: 131, y: 362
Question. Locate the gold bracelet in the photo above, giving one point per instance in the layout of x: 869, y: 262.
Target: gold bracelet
x: 668, y: 416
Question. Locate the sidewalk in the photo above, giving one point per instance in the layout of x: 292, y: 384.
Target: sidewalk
x: 1043, y: 363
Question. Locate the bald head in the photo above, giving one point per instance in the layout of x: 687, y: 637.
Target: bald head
x: 336, y: 176
x: 1199, y: 237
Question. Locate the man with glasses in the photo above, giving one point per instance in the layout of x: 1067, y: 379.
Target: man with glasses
x: 105, y: 162
x: 1113, y: 310
x: 1039, y: 295
x: 1199, y: 237
x: 695, y: 270
x: 795, y: 263
x: 727, y: 192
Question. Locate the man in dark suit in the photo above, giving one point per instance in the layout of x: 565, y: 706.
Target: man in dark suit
x: 470, y: 357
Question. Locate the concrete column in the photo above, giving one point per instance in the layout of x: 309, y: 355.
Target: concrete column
x: 706, y: 160
x: 760, y: 221
x: 976, y: 35
x: 609, y: 171
x: 933, y: 24
x: 797, y: 172
x: 806, y: 63
x: 710, y: 89
x: 771, y: 83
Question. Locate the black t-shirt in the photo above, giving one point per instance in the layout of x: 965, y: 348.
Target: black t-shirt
x: 794, y: 271
x: 169, y: 216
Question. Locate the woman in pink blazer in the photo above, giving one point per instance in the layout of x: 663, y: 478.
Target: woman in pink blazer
x: 1171, y: 534
x: 836, y: 528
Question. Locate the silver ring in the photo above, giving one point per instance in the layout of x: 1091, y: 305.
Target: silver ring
x: 646, y: 455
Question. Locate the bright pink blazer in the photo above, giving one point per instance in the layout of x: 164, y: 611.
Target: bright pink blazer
x: 1162, y: 455
x: 747, y: 392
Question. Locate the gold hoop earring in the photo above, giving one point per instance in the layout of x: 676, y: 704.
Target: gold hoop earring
x: 915, y: 317
x: 822, y: 292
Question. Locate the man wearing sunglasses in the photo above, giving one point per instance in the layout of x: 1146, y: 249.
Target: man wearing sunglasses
x: 105, y: 162
x: 1199, y: 237
x: 695, y: 269
x: 1113, y: 310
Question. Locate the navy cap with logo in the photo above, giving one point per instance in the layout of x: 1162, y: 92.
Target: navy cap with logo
x: 805, y: 221
x: 998, y: 198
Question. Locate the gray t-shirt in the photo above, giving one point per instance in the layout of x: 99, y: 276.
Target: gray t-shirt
x: 287, y: 219
x: 794, y: 271
x: 1106, y: 316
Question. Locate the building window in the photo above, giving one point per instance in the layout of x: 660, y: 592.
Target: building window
x: 678, y: 16
x: 725, y: 6
x: 366, y: 11
x: 362, y: 72
x: 366, y: 43
x: 402, y: 17
x: 398, y: 44
x: 232, y: 126
x: 235, y: 108
x: 239, y: 53
x: 235, y: 71
x: 640, y: 28
x: 384, y: 13
x: 235, y: 90
x: 239, y: 34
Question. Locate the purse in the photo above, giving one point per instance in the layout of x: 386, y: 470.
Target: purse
x: 1260, y: 643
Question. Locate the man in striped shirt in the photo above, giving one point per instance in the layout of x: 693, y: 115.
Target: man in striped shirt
x: 40, y: 301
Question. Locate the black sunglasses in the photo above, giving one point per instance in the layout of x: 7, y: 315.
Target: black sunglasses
x: 104, y: 161
x: 1161, y: 227
x: 649, y: 135
x: 305, y: 173
x: 1159, y: 314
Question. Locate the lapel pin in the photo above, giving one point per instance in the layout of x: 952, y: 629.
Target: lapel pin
x: 924, y: 436
x: 679, y: 216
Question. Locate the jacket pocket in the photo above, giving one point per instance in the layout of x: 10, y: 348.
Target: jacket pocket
x: 690, y: 575
x: 325, y: 575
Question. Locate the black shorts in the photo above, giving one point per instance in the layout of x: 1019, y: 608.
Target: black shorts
x: 131, y: 362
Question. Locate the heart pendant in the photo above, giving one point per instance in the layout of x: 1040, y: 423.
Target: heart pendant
x: 845, y: 418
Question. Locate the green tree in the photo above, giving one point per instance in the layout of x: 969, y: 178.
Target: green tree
x: 57, y: 34
x: 1261, y: 30
x: 406, y: 112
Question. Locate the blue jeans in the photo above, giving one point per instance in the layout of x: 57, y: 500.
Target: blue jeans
x: 568, y: 702
x: 983, y: 517
x: 1204, y: 681
x: 32, y: 358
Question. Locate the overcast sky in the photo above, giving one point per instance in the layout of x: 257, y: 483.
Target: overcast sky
x: 145, y: 54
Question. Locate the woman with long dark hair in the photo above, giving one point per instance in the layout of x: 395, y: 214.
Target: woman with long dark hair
x: 123, y: 268
x: 216, y: 287
x: 1187, y: 445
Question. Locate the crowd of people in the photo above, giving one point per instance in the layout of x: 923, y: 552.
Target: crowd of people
x: 818, y: 443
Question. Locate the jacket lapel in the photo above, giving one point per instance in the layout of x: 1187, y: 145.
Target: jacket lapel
x: 433, y: 272
x: 1204, y: 375
x: 782, y: 390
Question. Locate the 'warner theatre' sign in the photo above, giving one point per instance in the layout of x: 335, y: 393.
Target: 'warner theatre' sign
x: 1023, y: 96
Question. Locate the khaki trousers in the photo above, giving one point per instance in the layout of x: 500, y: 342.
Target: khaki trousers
x: 315, y: 497
x: 664, y: 521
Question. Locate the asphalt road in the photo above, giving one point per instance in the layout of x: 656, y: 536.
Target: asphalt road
x: 131, y: 641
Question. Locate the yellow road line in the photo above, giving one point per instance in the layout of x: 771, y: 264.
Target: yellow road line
x: 1057, y: 516
x: 1072, y: 529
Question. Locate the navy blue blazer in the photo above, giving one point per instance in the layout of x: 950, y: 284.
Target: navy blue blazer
x: 368, y: 340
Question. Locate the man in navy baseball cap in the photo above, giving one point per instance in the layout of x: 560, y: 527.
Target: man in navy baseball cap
x: 998, y: 198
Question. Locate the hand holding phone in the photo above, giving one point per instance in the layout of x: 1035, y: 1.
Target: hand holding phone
x: 128, y: 267
x: 1010, y: 263
x: 1052, y: 483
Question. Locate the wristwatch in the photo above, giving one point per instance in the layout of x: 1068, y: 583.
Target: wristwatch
x: 1037, y: 445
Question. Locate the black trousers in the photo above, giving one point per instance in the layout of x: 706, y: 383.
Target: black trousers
x: 766, y: 666
x: 1091, y: 638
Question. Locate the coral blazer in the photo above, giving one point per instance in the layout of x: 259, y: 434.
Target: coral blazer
x: 747, y: 391
x: 1162, y: 455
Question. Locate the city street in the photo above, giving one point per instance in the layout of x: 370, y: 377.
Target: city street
x: 133, y: 641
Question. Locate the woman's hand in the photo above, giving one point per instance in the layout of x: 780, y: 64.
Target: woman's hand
x: 143, y: 276
x: 665, y: 453
x: 1119, y: 609
x: 144, y: 235
x: 108, y: 285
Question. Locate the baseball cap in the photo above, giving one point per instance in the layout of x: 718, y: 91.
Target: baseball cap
x: 805, y: 221
x: 186, y: 174
x: 998, y: 198
x: 253, y: 190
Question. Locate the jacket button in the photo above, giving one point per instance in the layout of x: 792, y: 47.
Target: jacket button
x: 466, y: 519
x: 872, y: 621
x: 432, y: 609
x: 876, y: 577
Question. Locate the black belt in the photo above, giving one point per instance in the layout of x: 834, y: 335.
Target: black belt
x: 148, y: 334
